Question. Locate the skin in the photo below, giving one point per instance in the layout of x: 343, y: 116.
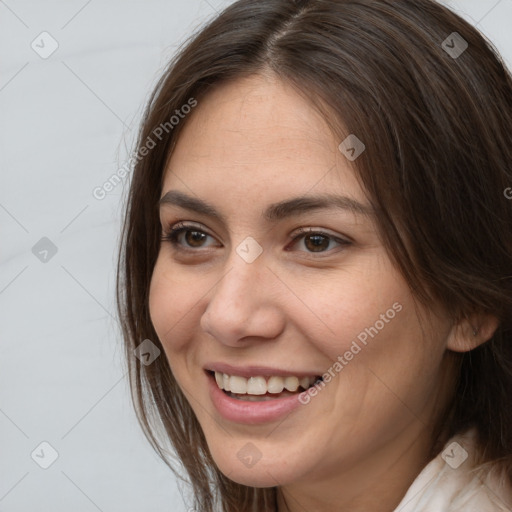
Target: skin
x: 360, y: 443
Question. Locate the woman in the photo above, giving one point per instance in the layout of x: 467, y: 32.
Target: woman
x: 317, y: 242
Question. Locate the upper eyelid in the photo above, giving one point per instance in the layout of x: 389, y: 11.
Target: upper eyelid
x: 308, y: 229
x: 183, y: 226
x: 200, y: 227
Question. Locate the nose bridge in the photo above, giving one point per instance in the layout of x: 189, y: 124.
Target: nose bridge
x: 238, y: 305
x: 241, y: 283
x: 245, y: 267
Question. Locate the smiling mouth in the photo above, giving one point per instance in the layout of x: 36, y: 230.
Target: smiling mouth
x: 259, y: 388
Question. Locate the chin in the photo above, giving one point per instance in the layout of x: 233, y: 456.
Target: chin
x: 254, y: 478
x: 259, y: 474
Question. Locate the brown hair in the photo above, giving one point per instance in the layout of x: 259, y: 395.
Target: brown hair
x: 437, y: 161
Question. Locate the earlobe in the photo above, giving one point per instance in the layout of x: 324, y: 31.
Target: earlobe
x: 472, y: 331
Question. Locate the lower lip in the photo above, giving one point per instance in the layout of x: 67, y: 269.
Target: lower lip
x: 250, y: 413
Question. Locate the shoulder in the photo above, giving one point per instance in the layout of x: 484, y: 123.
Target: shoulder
x: 452, y: 482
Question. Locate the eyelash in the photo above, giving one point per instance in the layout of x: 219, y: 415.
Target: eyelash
x: 171, y: 235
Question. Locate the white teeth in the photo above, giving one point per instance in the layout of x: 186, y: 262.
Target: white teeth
x: 256, y: 385
x: 225, y: 379
x: 275, y: 384
x: 237, y: 385
x: 259, y: 385
x: 304, y: 382
x: 291, y: 383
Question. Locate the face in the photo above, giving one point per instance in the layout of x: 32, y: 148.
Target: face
x: 304, y: 289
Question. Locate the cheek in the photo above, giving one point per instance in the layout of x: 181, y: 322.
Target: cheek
x: 171, y: 305
x: 353, y: 304
x: 369, y: 332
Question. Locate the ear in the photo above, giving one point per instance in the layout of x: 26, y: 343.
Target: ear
x: 472, y: 331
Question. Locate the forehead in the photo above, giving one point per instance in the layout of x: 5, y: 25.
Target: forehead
x: 258, y: 137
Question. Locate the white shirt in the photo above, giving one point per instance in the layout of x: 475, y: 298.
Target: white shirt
x: 450, y: 483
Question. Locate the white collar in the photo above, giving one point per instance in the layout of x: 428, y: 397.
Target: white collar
x: 450, y: 483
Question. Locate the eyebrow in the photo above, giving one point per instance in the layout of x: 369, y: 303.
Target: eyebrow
x: 275, y: 211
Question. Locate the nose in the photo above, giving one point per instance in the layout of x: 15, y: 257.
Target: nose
x: 244, y: 305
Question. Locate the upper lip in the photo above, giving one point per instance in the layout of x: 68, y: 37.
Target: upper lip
x: 256, y: 371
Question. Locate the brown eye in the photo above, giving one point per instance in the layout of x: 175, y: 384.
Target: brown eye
x: 195, y: 238
x: 316, y: 243
x: 187, y: 237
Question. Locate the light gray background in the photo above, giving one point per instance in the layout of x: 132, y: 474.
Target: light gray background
x: 67, y: 123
